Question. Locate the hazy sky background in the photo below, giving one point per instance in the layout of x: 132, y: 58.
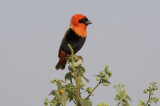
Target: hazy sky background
x: 124, y: 35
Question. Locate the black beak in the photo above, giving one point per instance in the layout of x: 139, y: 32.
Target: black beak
x: 85, y: 21
x: 88, y: 22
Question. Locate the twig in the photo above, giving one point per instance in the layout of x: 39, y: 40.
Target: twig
x: 75, y: 73
x: 148, y: 98
x: 94, y: 89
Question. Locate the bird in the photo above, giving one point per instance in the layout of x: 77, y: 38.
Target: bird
x: 75, y: 36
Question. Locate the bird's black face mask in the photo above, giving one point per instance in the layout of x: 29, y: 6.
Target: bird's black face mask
x: 85, y: 21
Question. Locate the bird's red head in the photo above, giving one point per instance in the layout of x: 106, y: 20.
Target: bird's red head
x: 79, y: 24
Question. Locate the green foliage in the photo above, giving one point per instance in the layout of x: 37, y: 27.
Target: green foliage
x: 121, y: 95
x: 151, y: 89
x: 67, y: 90
x: 85, y: 102
x: 70, y: 89
x: 103, y: 76
x: 46, y: 101
x: 74, y: 82
x: 103, y: 104
x: 89, y: 90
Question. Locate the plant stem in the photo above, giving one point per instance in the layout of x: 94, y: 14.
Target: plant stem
x: 118, y: 104
x: 75, y: 73
x: 148, y: 98
x: 46, y: 101
x: 94, y: 89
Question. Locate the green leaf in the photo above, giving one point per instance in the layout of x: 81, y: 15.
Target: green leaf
x: 59, y: 85
x: 125, y: 101
x: 70, y: 68
x: 86, y: 79
x: 85, y: 102
x: 129, y: 98
x: 64, y: 97
x: 53, y: 92
x: 58, y: 104
x: 125, y: 104
x: 105, y: 81
x: 98, y: 76
x: 71, y: 89
x: 70, y: 85
x: 87, y: 89
x: 70, y: 97
x: 55, y: 102
x: 81, y: 70
x: 68, y: 76
x: 81, y: 87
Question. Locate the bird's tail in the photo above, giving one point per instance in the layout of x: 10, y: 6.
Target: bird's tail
x: 61, y: 64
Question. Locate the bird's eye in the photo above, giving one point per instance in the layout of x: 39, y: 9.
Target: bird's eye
x: 83, y: 20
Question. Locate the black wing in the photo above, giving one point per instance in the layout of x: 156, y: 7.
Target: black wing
x: 74, y: 40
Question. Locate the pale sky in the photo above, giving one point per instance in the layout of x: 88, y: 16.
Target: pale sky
x: 124, y: 35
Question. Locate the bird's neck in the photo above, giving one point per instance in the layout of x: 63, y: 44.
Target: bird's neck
x: 80, y: 30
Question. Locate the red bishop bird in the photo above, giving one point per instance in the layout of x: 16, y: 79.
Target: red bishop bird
x: 75, y: 36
